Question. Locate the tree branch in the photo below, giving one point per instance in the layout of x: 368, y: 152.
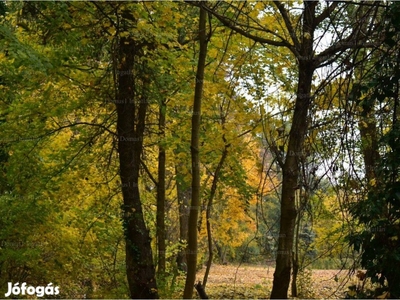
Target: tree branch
x: 288, y: 24
x: 351, y: 42
x: 67, y: 126
x: 146, y: 169
x: 230, y: 24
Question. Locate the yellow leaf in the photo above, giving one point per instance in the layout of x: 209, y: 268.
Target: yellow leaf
x: 351, y: 293
x: 124, y: 34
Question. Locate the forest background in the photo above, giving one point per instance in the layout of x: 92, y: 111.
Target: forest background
x: 142, y: 141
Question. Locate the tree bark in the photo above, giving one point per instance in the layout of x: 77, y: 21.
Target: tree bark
x: 184, y: 193
x: 191, y: 254
x: 161, y: 236
x: 131, y: 114
x: 289, y: 186
x: 295, y: 258
x: 201, y: 291
x: 295, y: 154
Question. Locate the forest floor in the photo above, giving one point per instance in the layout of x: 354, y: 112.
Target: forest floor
x: 249, y: 281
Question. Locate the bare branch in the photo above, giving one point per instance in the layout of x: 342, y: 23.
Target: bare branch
x: 288, y: 24
x: 356, y: 40
x: 351, y: 42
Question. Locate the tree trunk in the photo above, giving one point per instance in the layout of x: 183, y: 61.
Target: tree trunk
x: 290, y: 184
x: 191, y: 253
x: 130, y: 128
x: 208, y: 212
x: 295, y: 257
x: 295, y: 154
x: 184, y: 193
x: 221, y: 253
x: 367, y: 127
x: 161, y: 195
x: 200, y: 290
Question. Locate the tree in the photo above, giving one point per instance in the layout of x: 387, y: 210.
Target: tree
x: 116, y: 47
x: 58, y: 167
x: 377, y: 214
x: 191, y: 254
x: 302, y: 42
x: 95, y: 109
x: 161, y: 236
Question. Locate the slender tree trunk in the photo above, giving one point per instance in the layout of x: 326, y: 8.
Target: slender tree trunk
x: 221, y: 253
x: 130, y: 128
x: 296, y: 255
x: 208, y: 212
x: 184, y: 193
x: 161, y: 194
x: 191, y: 253
x: 295, y: 153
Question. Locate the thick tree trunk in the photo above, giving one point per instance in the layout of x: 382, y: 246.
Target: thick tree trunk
x: 191, y: 253
x: 290, y: 184
x: 139, y: 260
x: 295, y: 153
x: 161, y: 195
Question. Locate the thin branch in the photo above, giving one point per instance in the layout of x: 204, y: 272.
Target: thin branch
x: 95, y: 125
x: 148, y: 173
x: 351, y: 42
x: 288, y: 24
x: 230, y: 24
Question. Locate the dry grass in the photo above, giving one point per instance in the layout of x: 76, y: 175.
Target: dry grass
x: 249, y: 281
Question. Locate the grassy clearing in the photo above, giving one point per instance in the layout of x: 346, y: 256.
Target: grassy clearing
x: 255, y: 282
